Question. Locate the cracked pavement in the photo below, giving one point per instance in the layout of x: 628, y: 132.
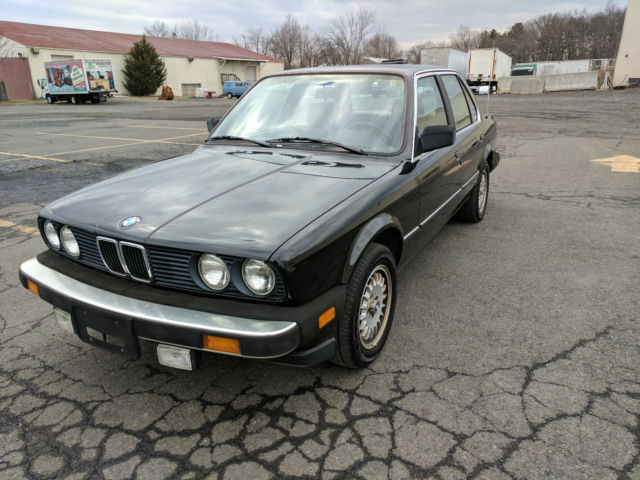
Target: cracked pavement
x: 514, y: 354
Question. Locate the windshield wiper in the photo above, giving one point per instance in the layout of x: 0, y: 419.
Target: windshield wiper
x: 239, y: 139
x: 317, y: 141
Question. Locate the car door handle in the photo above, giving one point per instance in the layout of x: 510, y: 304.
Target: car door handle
x: 481, y: 137
x: 458, y: 155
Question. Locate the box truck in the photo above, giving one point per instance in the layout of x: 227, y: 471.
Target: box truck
x: 77, y: 81
x: 486, y: 66
x: 445, y: 57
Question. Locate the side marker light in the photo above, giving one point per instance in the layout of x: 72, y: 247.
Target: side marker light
x: 221, y: 344
x: 326, y: 317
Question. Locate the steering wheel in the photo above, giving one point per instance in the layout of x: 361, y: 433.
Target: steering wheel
x: 370, y: 126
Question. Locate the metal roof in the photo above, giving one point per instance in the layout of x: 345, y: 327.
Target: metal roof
x: 43, y: 36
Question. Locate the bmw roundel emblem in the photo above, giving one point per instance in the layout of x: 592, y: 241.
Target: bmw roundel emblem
x: 129, y: 222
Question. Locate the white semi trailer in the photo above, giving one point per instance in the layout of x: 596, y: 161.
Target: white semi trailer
x: 486, y: 66
x: 445, y: 57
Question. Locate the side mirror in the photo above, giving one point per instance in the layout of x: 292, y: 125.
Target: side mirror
x: 211, y: 123
x: 437, y: 136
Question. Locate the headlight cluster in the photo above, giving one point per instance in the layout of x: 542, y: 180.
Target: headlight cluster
x: 64, y: 238
x: 257, y: 276
x: 213, y: 271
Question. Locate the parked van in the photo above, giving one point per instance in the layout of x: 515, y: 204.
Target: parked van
x: 235, y: 89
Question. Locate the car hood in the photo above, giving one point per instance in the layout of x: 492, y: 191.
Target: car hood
x: 227, y: 200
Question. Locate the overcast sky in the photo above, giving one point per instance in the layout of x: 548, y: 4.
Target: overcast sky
x: 410, y: 21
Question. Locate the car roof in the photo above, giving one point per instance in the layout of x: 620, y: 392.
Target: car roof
x: 402, y: 69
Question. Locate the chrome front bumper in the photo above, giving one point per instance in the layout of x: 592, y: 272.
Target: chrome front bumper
x: 163, y: 323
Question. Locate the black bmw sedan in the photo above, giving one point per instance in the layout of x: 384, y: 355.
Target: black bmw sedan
x: 280, y: 237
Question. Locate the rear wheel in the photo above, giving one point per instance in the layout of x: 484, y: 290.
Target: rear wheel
x: 229, y: 96
x: 475, y: 206
x: 75, y: 99
x: 370, y: 303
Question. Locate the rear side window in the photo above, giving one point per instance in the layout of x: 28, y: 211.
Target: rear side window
x: 430, y: 109
x: 472, y: 105
x: 458, y: 103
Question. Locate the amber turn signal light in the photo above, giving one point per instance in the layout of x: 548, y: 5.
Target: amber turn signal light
x: 221, y: 344
x: 326, y: 317
x: 33, y: 288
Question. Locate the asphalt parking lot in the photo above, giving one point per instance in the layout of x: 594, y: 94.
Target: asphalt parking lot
x: 515, y: 351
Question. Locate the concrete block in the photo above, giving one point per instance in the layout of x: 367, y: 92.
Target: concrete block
x: 527, y: 84
x: 504, y: 85
x: 571, y: 81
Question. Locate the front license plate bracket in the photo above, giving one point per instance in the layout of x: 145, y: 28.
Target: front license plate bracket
x: 107, y: 332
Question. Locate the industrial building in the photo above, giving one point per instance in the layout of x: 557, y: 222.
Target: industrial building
x: 190, y: 64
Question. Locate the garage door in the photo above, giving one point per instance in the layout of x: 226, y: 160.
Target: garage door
x: 189, y: 89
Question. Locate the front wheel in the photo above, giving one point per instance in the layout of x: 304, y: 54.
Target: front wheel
x: 370, y: 303
x: 475, y: 206
x: 49, y: 99
x: 229, y: 96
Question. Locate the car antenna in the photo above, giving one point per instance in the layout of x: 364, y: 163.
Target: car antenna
x: 493, y: 64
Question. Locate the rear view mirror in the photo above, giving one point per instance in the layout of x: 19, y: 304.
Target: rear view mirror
x: 437, y: 136
x: 211, y: 123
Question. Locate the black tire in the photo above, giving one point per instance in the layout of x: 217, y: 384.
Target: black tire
x: 75, y: 99
x: 50, y: 99
x: 351, y: 349
x: 95, y: 100
x: 474, y: 208
x: 229, y: 96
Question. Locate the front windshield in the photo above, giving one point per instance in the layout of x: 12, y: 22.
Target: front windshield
x: 361, y: 111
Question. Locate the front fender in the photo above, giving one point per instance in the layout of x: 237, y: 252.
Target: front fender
x: 367, y: 233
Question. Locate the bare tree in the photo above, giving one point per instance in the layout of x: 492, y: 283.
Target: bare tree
x: 414, y: 53
x: 6, y: 48
x: 189, y: 30
x: 464, y: 38
x: 255, y: 39
x: 285, y: 41
x: 346, y: 37
x: 382, y: 45
x: 159, y: 29
x: 194, y: 30
x: 310, y: 50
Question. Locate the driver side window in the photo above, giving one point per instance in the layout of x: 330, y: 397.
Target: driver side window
x: 430, y: 109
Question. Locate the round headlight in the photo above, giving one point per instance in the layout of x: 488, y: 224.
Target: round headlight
x: 51, y: 235
x: 213, y: 271
x: 258, y: 277
x: 69, y: 242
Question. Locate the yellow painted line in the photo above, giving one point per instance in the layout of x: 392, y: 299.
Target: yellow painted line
x: 621, y: 163
x: 37, y: 157
x: 139, y: 140
x: 99, y: 148
x: 204, y: 130
x: 18, y: 227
